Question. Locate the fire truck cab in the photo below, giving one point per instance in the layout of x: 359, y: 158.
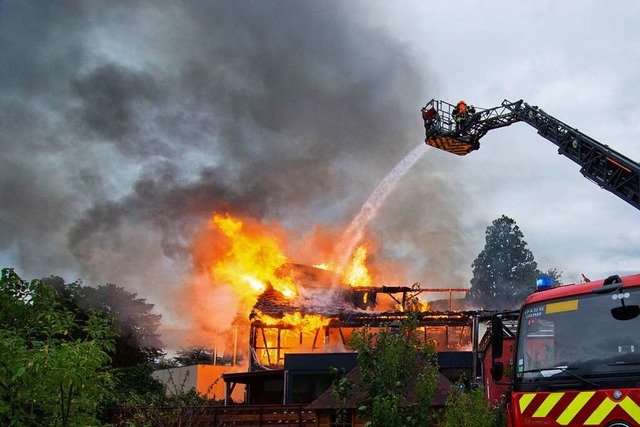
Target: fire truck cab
x: 576, y: 360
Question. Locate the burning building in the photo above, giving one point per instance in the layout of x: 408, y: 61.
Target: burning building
x: 268, y: 307
x: 324, y: 319
x: 292, y: 341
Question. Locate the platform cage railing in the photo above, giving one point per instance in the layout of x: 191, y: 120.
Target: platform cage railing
x: 439, y: 120
x: 438, y: 117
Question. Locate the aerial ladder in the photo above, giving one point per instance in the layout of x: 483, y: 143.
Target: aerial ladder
x: 599, y: 163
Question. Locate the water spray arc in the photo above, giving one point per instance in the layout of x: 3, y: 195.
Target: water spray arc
x: 355, y: 232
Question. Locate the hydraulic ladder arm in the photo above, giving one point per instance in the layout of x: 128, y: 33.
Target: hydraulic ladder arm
x: 600, y: 164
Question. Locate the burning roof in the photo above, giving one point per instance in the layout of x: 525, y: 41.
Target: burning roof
x: 320, y: 292
x: 295, y: 306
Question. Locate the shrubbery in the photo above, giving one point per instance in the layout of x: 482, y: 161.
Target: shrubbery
x: 469, y: 408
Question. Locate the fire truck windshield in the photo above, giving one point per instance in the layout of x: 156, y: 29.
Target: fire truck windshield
x: 582, y: 335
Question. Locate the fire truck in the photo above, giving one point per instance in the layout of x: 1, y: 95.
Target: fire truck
x: 574, y: 359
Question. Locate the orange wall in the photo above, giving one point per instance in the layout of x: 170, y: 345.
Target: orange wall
x: 205, y: 379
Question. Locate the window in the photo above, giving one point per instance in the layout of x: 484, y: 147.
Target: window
x: 307, y: 387
x: 580, y: 333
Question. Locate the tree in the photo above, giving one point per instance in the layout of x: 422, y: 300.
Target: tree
x: 505, y: 271
x: 136, y: 380
x: 49, y: 376
x: 138, y: 340
x: 194, y: 356
x: 397, y: 375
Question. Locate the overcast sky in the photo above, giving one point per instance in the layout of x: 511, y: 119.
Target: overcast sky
x: 580, y: 62
x: 125, y: 125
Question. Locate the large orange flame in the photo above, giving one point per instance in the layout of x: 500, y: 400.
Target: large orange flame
x: 237, y: 259
x: 305, y: 323
x: 251, y: 260
x: 244, y: 257
x: 253, y: 257
x: 357, y: 273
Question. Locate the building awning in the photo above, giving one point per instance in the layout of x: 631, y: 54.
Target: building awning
x: 253, y: 376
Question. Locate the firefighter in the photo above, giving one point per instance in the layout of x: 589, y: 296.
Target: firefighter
x: 459, y: 113
x: 429, y: 117
x: 473, y: 117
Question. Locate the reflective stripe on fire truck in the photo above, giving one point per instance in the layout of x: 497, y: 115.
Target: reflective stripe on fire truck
x: 543, y: 407
x: 524, y: 401
x: 607, y: 406
x: 574, y: 407
x: 548, y: 404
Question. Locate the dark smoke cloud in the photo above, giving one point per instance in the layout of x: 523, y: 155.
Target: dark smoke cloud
x: 110, y: 98
x: 125, y: 126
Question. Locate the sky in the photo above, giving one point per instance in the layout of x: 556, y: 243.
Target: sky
x: 125, y: 126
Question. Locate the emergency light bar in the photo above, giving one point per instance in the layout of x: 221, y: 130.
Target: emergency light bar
x: 543, y: 283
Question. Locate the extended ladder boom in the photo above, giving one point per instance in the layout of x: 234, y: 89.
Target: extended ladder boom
x: 604, y: 166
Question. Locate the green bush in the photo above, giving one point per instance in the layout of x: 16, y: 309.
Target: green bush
x: 469, y: 408
x: 398, y: 375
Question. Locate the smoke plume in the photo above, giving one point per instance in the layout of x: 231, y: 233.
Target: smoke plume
x: 126, y: 125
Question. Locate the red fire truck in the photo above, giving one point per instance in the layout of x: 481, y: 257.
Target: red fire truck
x: 574, y: 359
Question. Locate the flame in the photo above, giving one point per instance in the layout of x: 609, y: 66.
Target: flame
x: 257, y: 285
x: 305, y: 323
x: 357, y: 274
x: 243, y: 257
x: 251, y: 260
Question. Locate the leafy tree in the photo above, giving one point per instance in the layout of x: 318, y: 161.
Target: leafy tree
x: 397, y: 375
x: 48, y: 375
x: 505, y: 270
x: 138, y: 340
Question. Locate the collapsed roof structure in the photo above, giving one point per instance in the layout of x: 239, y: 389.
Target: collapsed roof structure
x: 324, y: 316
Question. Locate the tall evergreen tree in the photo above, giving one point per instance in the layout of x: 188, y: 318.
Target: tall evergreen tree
x: 505, y: 271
